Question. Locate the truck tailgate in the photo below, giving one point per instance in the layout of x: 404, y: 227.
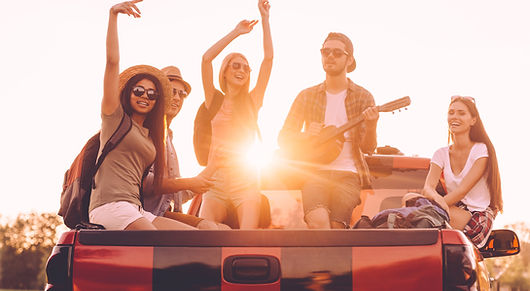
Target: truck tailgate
x: 409, y: 259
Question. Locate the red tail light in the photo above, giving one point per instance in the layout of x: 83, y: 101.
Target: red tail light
x: 59, y: 269
x: 460, y: 268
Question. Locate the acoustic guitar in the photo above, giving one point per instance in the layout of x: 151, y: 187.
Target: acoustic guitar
x: 327, y: 145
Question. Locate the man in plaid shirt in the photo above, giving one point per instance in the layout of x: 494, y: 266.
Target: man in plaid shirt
x: 331, y: 191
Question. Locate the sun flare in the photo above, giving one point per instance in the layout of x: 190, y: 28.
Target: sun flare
x: 258, y: 156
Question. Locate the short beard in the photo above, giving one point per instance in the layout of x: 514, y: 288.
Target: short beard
x: 334, y: 72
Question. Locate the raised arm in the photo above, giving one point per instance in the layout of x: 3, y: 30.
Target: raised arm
x: 111, y: 98
x: 245, y: 26
x: 258, y: 92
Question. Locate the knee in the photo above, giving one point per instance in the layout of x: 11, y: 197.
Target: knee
x: 318, y: 219
x: 207, y: 224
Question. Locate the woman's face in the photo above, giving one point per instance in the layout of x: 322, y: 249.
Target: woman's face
x: 459, y: 118
x: 237, y: 72
x: 143, y: 96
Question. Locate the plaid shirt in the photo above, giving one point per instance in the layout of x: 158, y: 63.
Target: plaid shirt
x: 310, y: 106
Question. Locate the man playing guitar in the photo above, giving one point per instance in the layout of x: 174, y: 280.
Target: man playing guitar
x: 331, y: 190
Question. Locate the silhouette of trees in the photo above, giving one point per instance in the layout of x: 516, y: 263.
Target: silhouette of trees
x: 26, y: 242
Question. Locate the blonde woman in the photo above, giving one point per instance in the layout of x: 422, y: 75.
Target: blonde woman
x: 235, y: 125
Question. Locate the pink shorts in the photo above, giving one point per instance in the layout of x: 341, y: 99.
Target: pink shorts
x: 118, y: 215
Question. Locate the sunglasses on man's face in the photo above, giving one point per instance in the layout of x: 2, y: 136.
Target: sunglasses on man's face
x: 336, y: 52
x: 237, y: 66
x: 139, y: 91
x: 181, y: 93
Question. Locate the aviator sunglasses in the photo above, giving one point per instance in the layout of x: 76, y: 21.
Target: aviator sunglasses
x: 337, y: 53
x: 138, y: 91
x: 181, y: 93
x: 237, y: 66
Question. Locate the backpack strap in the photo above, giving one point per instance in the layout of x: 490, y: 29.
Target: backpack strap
x: 114, y: 140
x: 218, y: 99
x: 146, y: 172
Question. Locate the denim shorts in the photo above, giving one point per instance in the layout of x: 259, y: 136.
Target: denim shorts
x: 234, y: 186
x: 336, y: 191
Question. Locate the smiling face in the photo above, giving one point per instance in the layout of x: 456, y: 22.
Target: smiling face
x: 459, y: 118
x: 142, y: 104
x: 177, y: 99
x: 332, y: 63
x: 237, y: 72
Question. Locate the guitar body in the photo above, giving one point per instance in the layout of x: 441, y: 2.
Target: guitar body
x: 323, y: 148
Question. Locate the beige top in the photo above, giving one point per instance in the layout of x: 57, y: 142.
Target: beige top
x: 120, y: 175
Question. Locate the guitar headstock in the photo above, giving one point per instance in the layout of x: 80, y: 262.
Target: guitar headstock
x: 394, y: 105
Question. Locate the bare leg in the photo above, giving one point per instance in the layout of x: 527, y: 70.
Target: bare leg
x: 337, y: 225
x: 141, y: 224
x: 213, y: 210
x: 207, y: 224
x: 165, y: 223
x: 459, y: 217
x: 248, y: 214
x: 318, y: 218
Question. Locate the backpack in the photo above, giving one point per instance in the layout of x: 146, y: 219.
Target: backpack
x: 79, y: 178
x: 202, y: 127
x: 419, y: 213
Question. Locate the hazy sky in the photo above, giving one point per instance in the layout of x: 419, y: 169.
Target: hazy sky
x: 52, y: 57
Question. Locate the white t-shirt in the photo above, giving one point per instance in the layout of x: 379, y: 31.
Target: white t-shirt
x: 478, y: 198
x: 336, y: 115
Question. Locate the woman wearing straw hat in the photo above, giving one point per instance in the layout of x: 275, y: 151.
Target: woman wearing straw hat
x: 139, y: 92
x: 235, y: 125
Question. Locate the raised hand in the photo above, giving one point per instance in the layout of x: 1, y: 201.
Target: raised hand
x: 264, y: 7
x: 127, y: 7
x: 245, y: 26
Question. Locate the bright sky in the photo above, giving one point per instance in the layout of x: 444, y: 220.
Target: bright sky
x: 52, y: 57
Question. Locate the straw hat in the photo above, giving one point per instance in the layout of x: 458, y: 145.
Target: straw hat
x: 173, y: 73
x: 128, y: 73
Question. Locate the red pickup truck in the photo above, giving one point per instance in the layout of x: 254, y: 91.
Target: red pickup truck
x: 285, y: 259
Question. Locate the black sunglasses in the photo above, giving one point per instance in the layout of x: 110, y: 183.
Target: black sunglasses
x: 182, y: 94
x: 335, y: 51
x: 237, y: 66
x: 138, y: 91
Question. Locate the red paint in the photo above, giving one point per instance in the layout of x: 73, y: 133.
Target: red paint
x: 410, y: 163
x: 112, y: 268
x: 67, y: 238
x: 397, y: 268
x: 228, y: 251
x: 454, y: 237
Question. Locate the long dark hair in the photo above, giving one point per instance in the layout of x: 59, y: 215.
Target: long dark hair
x: 155, y: 121
x: 477, y: 133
